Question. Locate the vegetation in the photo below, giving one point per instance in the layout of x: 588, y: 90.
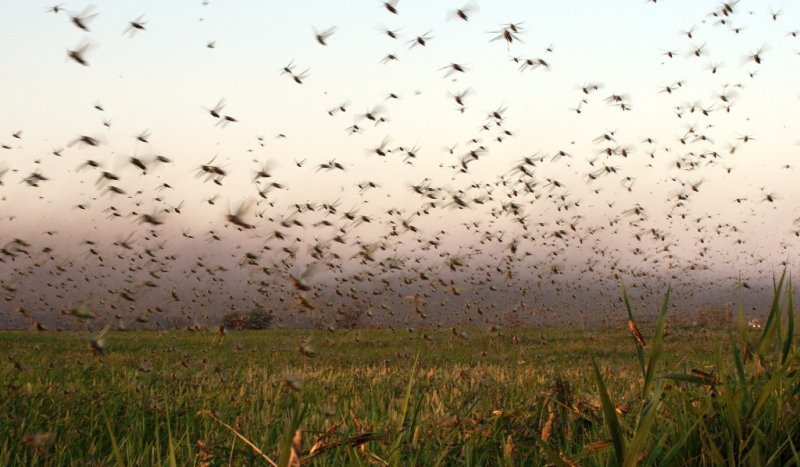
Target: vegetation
x: 669, y: 395
x: 254, y: 320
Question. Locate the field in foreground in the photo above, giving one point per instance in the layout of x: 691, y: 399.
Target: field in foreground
x: 429, y: 397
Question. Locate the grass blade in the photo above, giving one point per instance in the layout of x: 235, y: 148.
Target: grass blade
x: 401, y: 428
x: 774, y: 316
x: 610, y: 416
x: 739, y: 364
x: 246, y: 441
x: 117, y: 454
x: 675, y: 449
x: 684, y: 378
x: 655, y: 349
x: 632, y: 326
x: 170, y: 445
x: 646, y: 419
x: 787, y: 345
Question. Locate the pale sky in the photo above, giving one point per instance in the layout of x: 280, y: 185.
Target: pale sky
x: 164, y: 78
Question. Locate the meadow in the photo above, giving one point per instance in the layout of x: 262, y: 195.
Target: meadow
x: 646, y: 394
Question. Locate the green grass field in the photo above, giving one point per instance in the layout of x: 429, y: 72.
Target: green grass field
x: 477, y: 397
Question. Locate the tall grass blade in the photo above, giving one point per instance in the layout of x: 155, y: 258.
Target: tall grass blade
x: 655, y: 349
x: 787, y: 345
x: 610, y: 416
x: 286, y: 447
x: 246, y: 441
x: 401, y: 427
x: 647, y: 417
x: 114, y: 446
x: 739, y: 364
x: 770, y: 388
x: 552, y: 454
x: 795, y: 455
x: 639, y: 348
x: 669, y: 458
x: 170, y: 445
x: 741, y: 323
x: 774, y: 316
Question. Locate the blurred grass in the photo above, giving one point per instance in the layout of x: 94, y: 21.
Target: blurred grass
x: 472, y: 396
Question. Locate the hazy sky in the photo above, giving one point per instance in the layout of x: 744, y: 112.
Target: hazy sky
x: 165, y: 78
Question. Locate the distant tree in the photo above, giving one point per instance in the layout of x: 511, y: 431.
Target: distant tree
x: 255, y: 319
x: 258, y: 319
x: 350, y: 318
x: 715, y: 317
x: 233, y: 321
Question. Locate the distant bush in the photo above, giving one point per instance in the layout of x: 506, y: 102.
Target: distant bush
x: 715, y: 317
x: 350, y: 318
x: 256, y: 319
